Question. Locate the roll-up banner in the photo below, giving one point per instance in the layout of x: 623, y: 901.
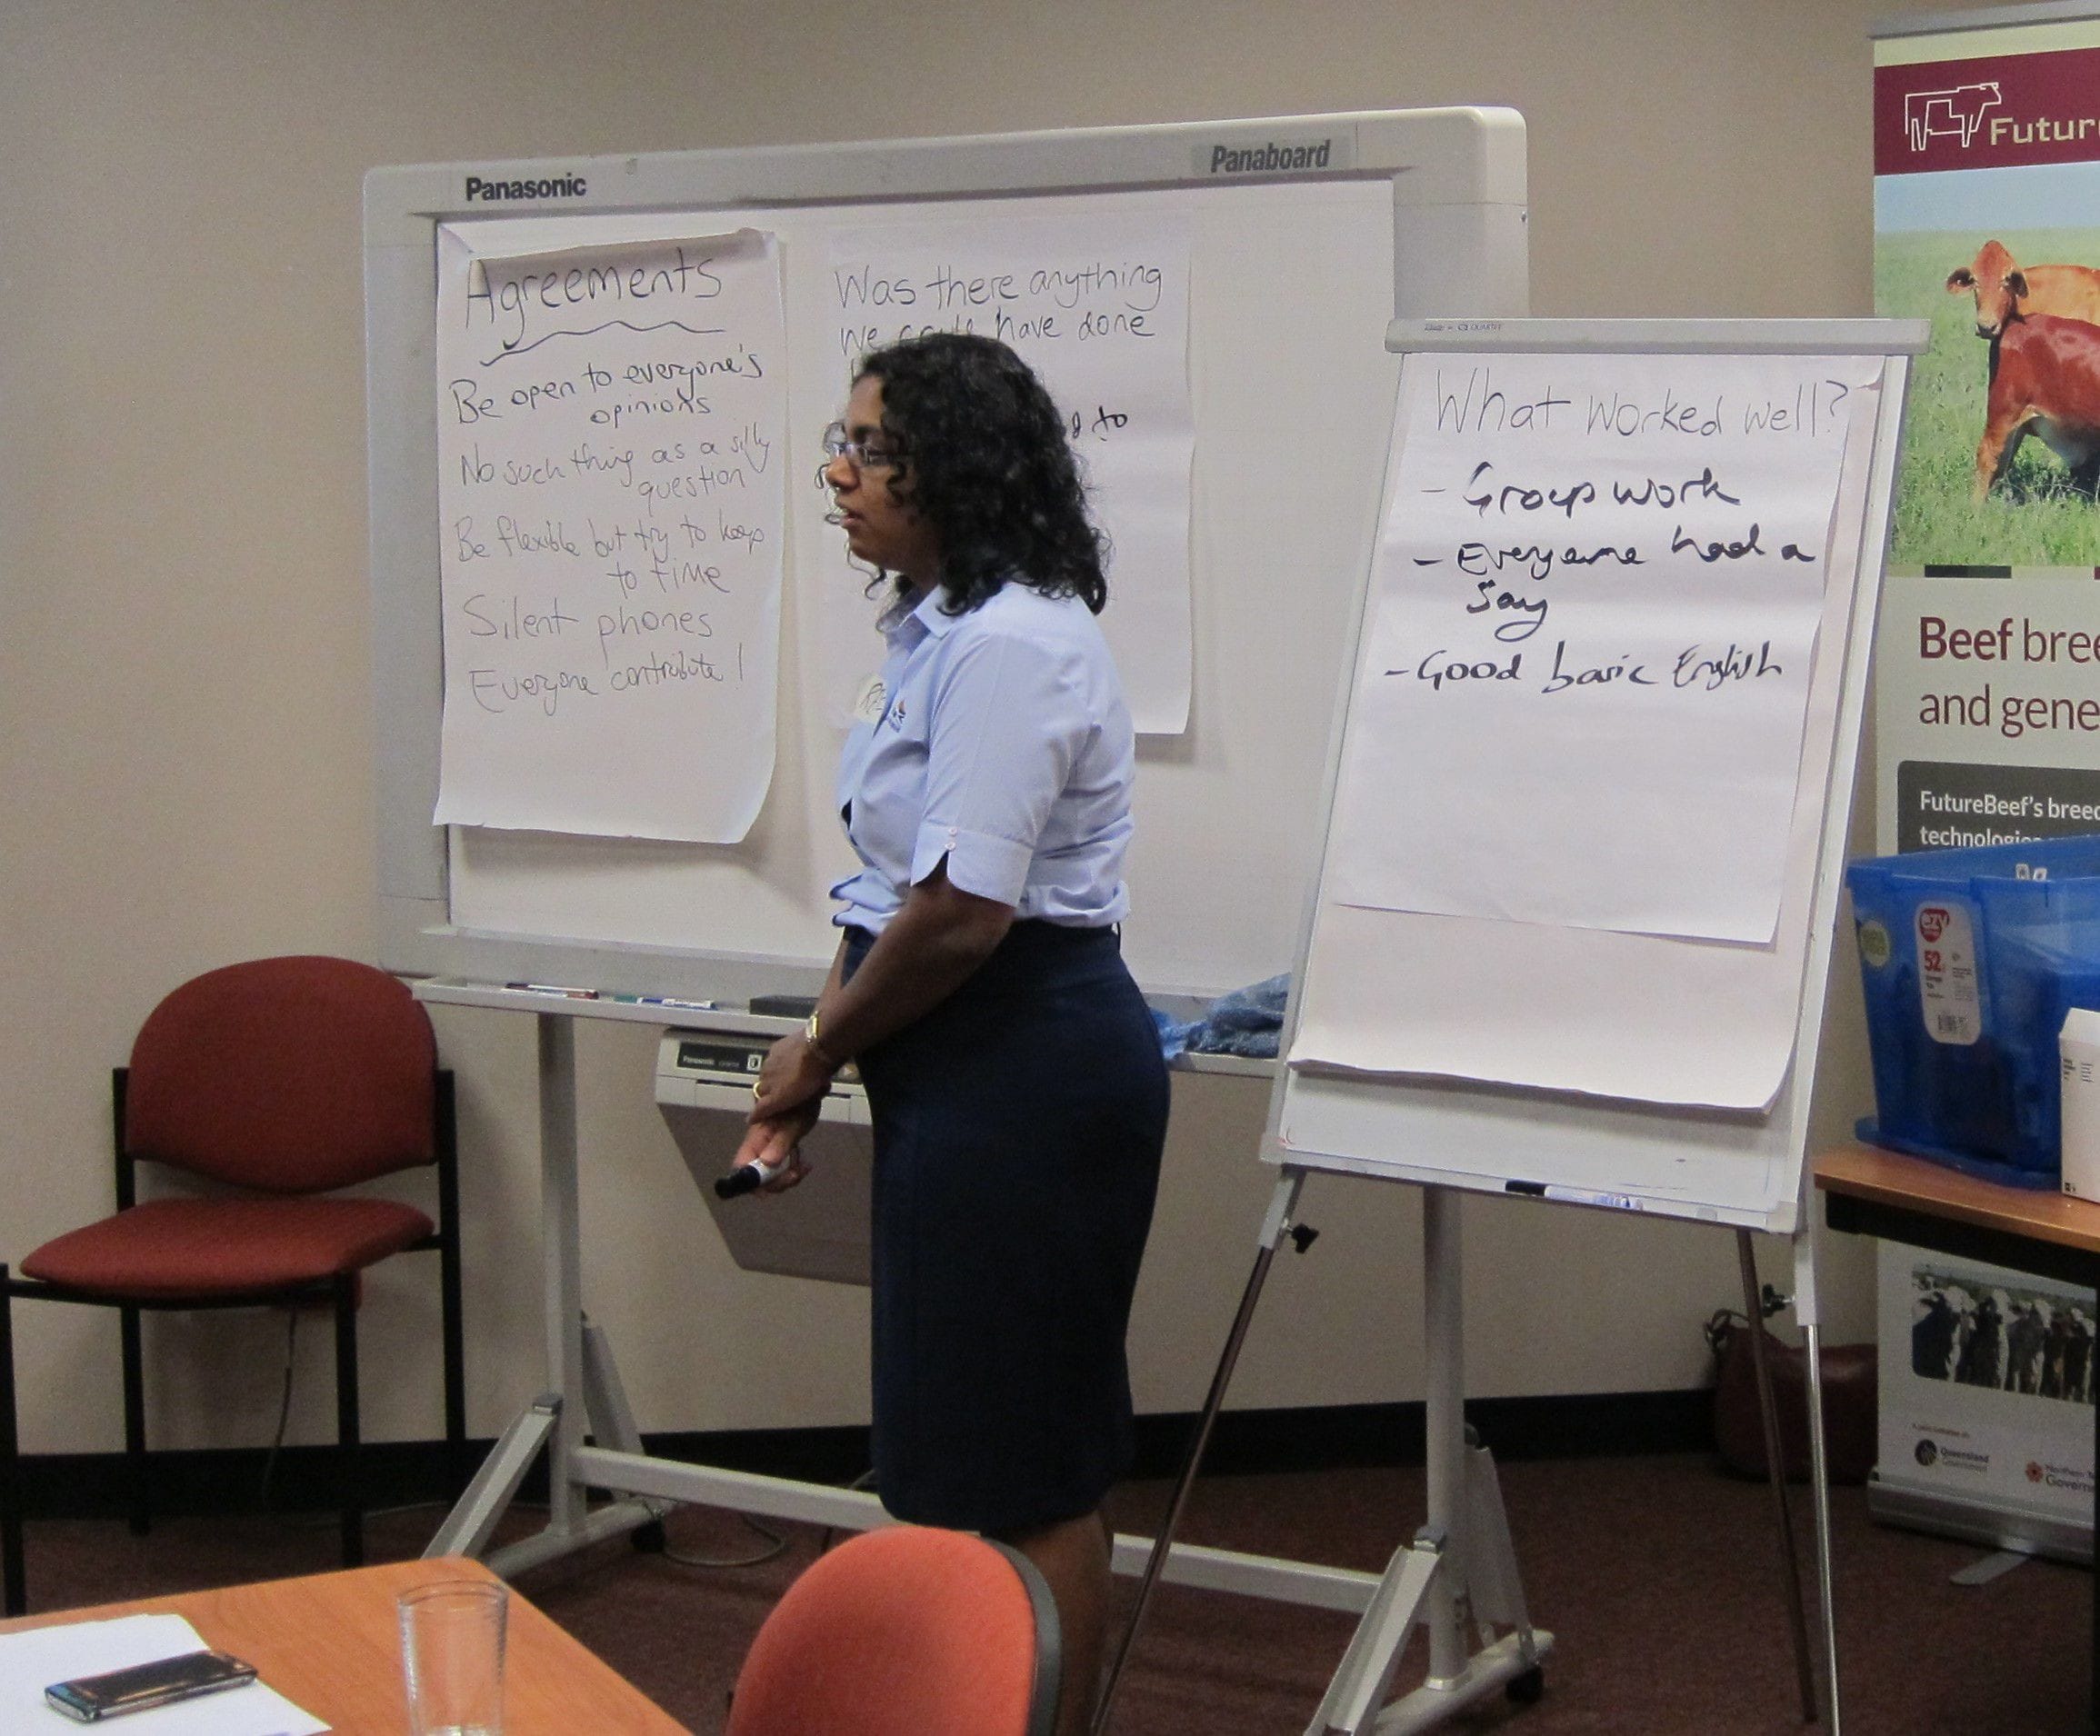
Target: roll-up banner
x: 1986, y: 198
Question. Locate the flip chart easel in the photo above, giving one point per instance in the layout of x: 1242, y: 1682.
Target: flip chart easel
x: 1707, y: 1155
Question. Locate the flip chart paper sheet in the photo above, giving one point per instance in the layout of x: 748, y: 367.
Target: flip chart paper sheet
x: 1599, y: 1011
x: 1595, y: 601
x: 1098, y: 304
x: 611, y: 451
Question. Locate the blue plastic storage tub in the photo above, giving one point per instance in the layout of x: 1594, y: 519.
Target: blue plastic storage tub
x: 1970, y: 958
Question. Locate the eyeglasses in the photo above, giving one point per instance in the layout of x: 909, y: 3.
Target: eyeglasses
x: 862, y: 454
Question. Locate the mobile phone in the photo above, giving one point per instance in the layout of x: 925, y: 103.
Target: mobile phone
x: 89, y: 1698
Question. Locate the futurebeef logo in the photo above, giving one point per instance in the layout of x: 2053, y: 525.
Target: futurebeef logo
x: 1956, y: 114
x: 1993, y: 113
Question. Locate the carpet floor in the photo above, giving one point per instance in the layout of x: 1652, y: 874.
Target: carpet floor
x: 1657, y: 1577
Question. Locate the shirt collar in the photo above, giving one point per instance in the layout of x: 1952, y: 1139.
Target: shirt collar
x: 933, y: 619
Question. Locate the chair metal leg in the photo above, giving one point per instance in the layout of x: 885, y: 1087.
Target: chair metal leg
x: 454, y: 1326
x: 349, y: 1466
x: 135, y: 1464
x: 450, y: 1288
x: 16, y: 1597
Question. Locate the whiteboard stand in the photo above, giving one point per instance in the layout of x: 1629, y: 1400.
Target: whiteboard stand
x: 584, y: 1393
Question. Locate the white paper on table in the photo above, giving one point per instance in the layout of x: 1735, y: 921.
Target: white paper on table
x: 612, y: 454
x: 1098, y: 304
x: 1592, y: 623
x: 31, y: 1660
x: 1597, y: 1011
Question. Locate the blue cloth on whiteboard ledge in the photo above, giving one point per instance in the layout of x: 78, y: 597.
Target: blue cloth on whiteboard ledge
x: 1247, y: 1021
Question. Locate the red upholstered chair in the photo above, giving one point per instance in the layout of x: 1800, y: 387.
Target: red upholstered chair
x: 280, y: 1080
x: 905, y: 1631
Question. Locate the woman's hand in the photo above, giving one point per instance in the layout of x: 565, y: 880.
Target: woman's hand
x: 789, y: 1077
x: 786, y: 1100
x: 775, y: 1140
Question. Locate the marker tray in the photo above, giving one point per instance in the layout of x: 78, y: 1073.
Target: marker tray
x: 1969, y: 959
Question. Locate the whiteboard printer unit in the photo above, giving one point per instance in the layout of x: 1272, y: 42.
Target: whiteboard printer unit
x: 818, y: 1228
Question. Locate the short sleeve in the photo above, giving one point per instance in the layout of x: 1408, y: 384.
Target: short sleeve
x: 1008, y: 720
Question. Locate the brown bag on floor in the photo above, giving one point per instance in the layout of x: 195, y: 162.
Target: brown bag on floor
x: 1849, y: 1420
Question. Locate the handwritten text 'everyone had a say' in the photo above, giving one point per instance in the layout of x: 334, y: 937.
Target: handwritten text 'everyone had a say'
x: 1558, y: 505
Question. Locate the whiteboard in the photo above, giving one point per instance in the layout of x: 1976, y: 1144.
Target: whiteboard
x: 1613, y: 1078
x: 1308, y: 234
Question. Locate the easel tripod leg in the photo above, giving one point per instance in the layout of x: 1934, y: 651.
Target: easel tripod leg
x: 1819, y: 1470
x: 1807, y: 1310
x: 1775, y: 1470
x: 1275, y: 1226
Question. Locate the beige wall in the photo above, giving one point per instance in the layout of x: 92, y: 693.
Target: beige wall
x: 184, y: 646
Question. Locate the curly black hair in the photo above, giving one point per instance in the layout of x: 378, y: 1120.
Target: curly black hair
x: 985, y: 458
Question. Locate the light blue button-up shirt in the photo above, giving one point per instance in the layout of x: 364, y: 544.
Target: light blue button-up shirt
x: 1004, y: 745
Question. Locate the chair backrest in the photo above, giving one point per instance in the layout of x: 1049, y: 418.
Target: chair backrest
x: 287, y: 1074
x: 905, y: 1631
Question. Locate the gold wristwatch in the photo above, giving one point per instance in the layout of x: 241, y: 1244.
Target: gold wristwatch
x: 809, y: 1041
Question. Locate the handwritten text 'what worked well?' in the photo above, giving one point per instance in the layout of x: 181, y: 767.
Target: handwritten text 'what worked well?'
x: 1594, y: 608
x: 612, y: 447
x: 1097, y: 304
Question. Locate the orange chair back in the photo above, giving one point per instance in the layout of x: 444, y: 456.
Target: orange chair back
x: 904, y: 1631
x: 286, y: 1074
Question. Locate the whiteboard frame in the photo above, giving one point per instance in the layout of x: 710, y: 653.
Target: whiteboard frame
x: 1497, y: 1139
x: 1458, y: 180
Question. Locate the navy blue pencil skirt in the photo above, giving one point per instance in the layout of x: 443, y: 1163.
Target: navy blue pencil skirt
x: 1017, y: 1135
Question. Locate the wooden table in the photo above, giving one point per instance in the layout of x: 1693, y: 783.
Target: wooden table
x: 1927, y: 1205
x: 329, y: 1643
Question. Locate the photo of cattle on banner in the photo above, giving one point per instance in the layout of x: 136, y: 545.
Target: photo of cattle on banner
x: 1986, y: 186
x: 2026, y: 1339
x: 2042, y: 326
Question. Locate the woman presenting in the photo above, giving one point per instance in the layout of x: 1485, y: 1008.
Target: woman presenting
x: 1013, y: 1072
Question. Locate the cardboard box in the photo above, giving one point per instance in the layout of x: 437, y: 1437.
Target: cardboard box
x: 2078, y: 1044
